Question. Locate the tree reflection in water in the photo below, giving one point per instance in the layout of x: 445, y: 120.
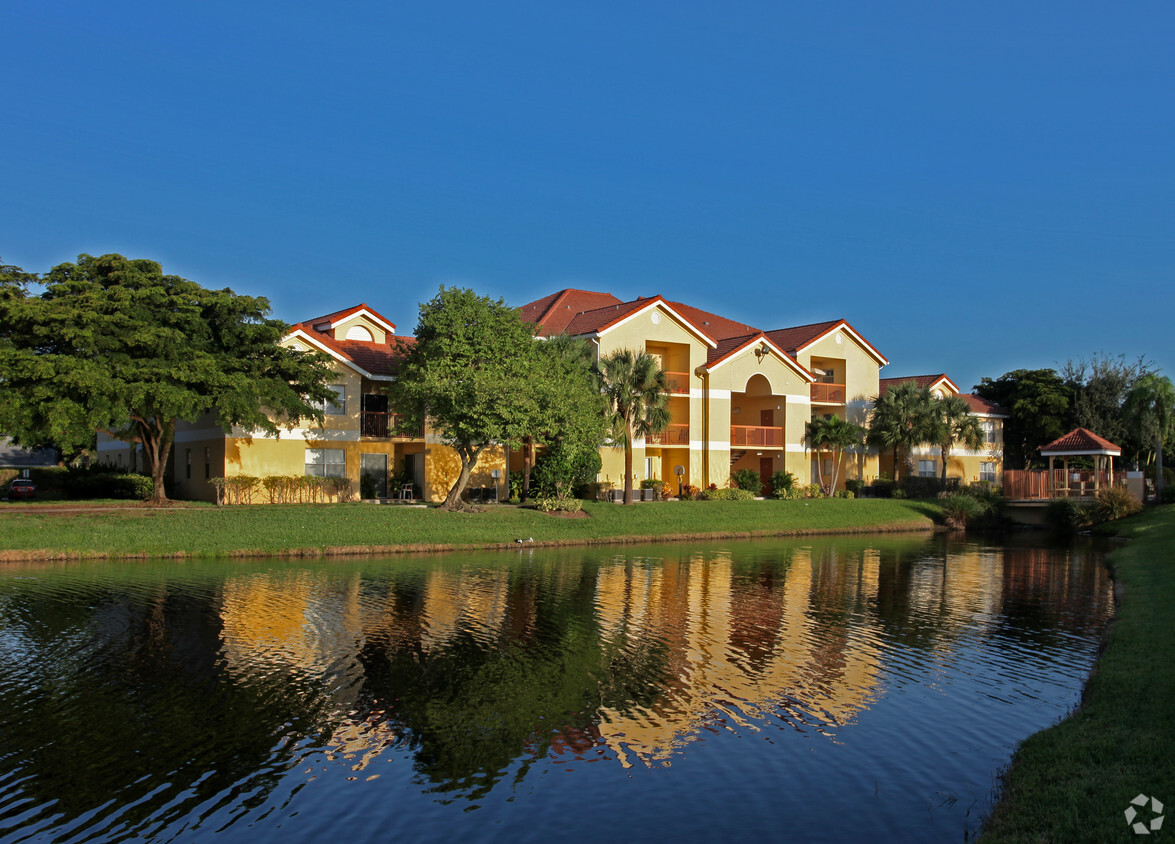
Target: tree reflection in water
x: 141, y: 698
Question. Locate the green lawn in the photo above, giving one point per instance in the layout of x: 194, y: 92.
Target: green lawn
x: 355, y: 528
x: 1074, y: 782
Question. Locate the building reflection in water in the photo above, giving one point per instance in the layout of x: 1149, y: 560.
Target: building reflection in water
x: 478, y: 665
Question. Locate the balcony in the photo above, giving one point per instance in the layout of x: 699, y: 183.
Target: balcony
x: 673, y: 435
x: 828, y: 393
x: 749, y: 436
x: 383, y: 425
x: 678, y: 383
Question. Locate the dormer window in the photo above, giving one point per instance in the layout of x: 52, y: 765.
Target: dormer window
x: 358, y: 332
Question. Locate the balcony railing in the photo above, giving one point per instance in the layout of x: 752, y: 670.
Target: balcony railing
x: 678, y: 383
x: 749, y: 436
x: 828, y: 393
x: 386, y: 425
x: 673, y: 435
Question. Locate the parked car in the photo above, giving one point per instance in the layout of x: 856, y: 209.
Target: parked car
x: 22, y: 488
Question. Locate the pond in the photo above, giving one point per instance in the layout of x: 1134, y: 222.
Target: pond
x: 841, y: 689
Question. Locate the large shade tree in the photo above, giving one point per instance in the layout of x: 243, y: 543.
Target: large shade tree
x: 951, y: 423
x: 1150, y: 416
x: 1038, y: 402
x: 835, y: 436
x: 469, y: 373
x: 115, y: 345
x: 902, y: 418
x: 637, y: 392
x: 572, y: 420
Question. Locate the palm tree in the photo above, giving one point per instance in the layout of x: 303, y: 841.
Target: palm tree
x: 835, y: 435
x: 902, y: 419
x: 1150, y: 411
x: 638, y: 397
x: 953, y: 423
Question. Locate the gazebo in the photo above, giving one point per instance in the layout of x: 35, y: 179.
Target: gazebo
x: 1081, y: 443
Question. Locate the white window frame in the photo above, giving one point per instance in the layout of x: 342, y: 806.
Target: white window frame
x: 927, y: 468
x: 987, y: 471
x: 326, y: 462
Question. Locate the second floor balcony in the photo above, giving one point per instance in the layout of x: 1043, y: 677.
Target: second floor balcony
x: 675, y: 434
x: 678, y: 383
x: 754, y: 436
x: 823, y: 393
x: 384, y: 425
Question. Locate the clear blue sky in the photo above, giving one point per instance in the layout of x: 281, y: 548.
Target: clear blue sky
x: 976, y: 187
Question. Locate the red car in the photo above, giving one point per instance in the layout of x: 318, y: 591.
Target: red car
x: 22, y: 488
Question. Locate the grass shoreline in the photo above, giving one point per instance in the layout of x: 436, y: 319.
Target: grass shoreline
x: 351, y: 530
x: 1074, y: 781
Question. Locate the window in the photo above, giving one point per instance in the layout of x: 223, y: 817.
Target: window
x: 927, y: 468
x: 207, y: 462
x: 339, y: 406
x: 987, y: 471
x: 988, y: 428
x: 187, y: 464
x: 326, y: 462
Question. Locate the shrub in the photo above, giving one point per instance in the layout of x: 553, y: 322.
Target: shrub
x: 729, y: 494
x: 557, y: 505
x: 915, y: 486
x: 747, y: 479
x: 897, y: 492
x: 1115, y: 502
x: 100, y: 482
x: 1068, y: 515
x: 1168, y: 496
x: 960, y: 508
x: 782, y: 483
x: 844, y: 493
x: 854, y: 486
x: 883, y: 488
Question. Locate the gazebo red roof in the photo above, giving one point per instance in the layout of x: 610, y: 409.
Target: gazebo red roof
x: 1081, y: 441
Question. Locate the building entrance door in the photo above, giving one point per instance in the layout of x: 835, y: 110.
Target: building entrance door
x: 373, y: 476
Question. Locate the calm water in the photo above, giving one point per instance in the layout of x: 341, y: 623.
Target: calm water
x: 866, y: 689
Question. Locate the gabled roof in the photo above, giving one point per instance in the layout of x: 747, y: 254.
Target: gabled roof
x: 554, y: 313
x: 930, y: 381
x: 604, y: 319
x: 1081, y: 441
x: 796, y: 340
x: 983, y: 407
x: 377, y: 361
x: 732, y: 347
x: 325, y: 323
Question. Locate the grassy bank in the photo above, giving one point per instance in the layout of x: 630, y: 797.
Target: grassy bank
x: 1073, y: 782
x: 42, y: 533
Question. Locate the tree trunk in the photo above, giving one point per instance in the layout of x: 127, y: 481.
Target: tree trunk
x: 468, y: 456
x: 1159, y: 468
x: 156, y: 438
x: 527, y: 461
x: 946, y: 453
x: 628, y: 469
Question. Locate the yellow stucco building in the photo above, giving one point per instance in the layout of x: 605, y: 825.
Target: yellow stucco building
x: 740, y: 397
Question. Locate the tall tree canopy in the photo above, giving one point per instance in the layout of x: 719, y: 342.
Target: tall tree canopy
x: 1099, y: 389
x: 114, y: 345
x: 469, y: 374
x: 637, y: 392
x: 1150, y: 414
x: 1038, y: 402
x: 572, y: 421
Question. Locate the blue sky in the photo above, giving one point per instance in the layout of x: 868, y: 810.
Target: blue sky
x: 976, y: 188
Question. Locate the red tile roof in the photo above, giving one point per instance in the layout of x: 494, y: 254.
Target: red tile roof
x: 712, y: 325
x: 373, y: 358
x: 792, y: 339
x: 1081, y: 440
x: 554, y: 313
x: 983, y: 406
